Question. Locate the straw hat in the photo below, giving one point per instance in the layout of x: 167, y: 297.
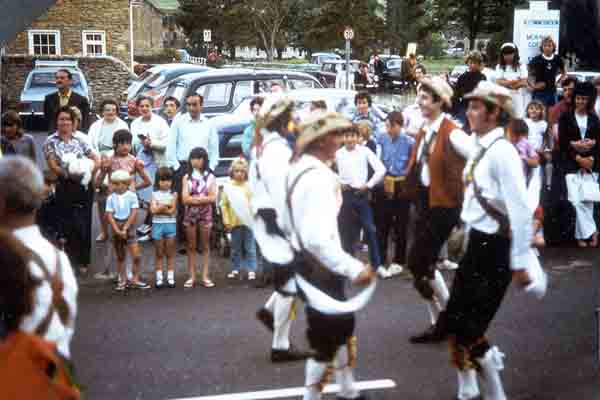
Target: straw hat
x: 120, y: 175
x: 319, y: 125
x: 272, y: 108
x: 494, y: 94
x: 440, y: 87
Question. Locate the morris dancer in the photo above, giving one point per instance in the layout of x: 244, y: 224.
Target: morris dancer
x: 267, y: 181
x: 312, y: 208
x: 437, y: 160
x: 496, y: 210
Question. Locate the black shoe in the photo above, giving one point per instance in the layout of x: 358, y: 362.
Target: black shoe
x: 431, y: 335
x: 171, y: 284
x: 159, y: 284
x: 182, y: 251
x: 266, y: 317
x: 278, y: 356
x: 360, y: 397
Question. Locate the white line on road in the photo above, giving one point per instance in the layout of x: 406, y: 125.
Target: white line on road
x: 293, y: 392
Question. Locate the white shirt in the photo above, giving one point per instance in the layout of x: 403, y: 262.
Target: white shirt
x: 460, y: 141
x: 537, y: 131
x: 268, y: 192
x: 499, y: 175
x: 511, y: 74
x: 582, y: 122
x: 57, y: 332
x: 353, y: 167
x: 158, y: 131
x: 315, y: 209
x: 188, y: 133
x: 101, y: 134
x: 413, y: 119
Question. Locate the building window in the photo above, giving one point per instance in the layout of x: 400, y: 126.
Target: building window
x: 44, y: 43
x: 94, y: 43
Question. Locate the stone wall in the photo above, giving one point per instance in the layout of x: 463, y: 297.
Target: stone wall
x: 147, y: 30
x: 71, y: 17
x: 106, y: 76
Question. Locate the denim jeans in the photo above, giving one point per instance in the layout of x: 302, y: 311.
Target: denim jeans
x: 242, y: 242
x: 356, y: 212
x: 546, y: 96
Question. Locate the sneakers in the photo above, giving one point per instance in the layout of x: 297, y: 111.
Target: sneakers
x: 144, y: 238
x: 144, y: 229
x: 395, y: 269
x: 159, y: 284
x: 383, y: 272
x: 171, y: 283
x: 105, y: 276
x: 233, y: 274
x: 251, y: 275
x: 139, y: 285
x: 446, y: 265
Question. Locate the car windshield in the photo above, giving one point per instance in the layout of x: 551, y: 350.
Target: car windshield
x: 47, y: 80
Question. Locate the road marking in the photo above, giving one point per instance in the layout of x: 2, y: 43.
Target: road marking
x: 293, y: 392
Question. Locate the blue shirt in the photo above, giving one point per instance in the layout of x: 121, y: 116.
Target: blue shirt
x: 120, y: 205
x: 188, y: 133
x: 395, y: 153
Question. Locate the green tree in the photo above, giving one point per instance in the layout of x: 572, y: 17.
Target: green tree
x: 325, y: 28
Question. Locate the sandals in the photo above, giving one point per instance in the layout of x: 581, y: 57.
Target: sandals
x: 190, y: 283
x: 207, y: 283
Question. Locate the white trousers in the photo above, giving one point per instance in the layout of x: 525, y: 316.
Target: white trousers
x: 585, y: 225
x: 282, y: 322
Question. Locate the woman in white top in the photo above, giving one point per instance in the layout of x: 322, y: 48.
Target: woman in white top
x: 511, y: 74
x: 152, y: 131
x: 100, y: 137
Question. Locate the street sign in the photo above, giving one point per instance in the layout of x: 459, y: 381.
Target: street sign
x: 348, y: 33
x: 207, y: 34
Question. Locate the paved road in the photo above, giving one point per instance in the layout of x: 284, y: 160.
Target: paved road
x: 185, y: 343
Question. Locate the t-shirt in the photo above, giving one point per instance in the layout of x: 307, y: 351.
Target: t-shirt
x: 467, y: 82
x: 162, y: 198
x: 582, y: 123
x: 546, y: 70
x: 120, y: 205
x: 537, y: 131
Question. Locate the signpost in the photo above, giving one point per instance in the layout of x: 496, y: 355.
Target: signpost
x: 207, y: 35
x: 532, y: 25
x: 348, y: 35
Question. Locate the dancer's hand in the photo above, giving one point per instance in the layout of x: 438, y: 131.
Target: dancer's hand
x: 521, y: 277
x: 365, y: 277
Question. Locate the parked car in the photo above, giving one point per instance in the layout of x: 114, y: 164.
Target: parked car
x: 41, y: 82
x: 224, y: 89
x: 319, y: 58
x: 339, y: 100
x: 455, y: 52
x: 328, y: 71
x: 184, y: 56
x: 152, y: 82
x: 394, y: 77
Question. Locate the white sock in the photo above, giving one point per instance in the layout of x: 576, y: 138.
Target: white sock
x: 434, y: 312
x: 344, y: 375
x: 171, y: 275
x: 282, y: 322
x: 314, y: 372
x: 159, y: 275
x: 438, y: 284
x: 467, y: 384
x: 491, y: 383
x: 271, y: 302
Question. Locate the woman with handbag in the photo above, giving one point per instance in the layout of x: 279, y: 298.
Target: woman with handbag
x: 579, y: 143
